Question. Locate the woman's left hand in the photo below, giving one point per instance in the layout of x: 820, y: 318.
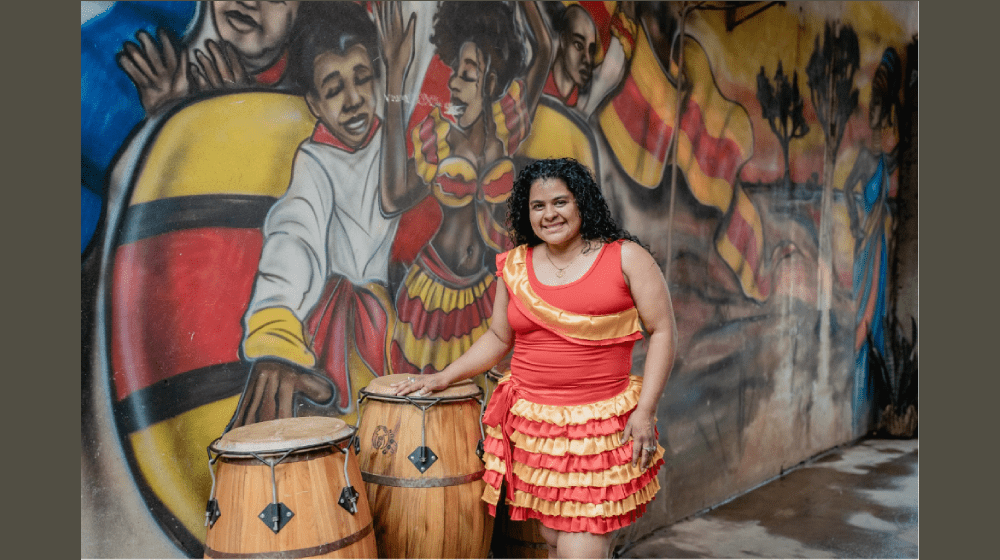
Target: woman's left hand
x: 642, y: 429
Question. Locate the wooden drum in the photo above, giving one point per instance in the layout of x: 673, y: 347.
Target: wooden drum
x: 288, y: 488
x: 420, y: 462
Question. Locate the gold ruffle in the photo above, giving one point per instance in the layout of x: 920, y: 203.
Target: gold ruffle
x: 422, y: 352
x: 560, y: 415
x: 560, y: 321
x: 434, y: 295
x: 494, y: 463
x: 617, y: 474
x: 560, y: 446
x: 491, y: 495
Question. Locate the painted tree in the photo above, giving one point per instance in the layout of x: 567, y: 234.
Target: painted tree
x: 830, y: 74
x: 782, y: 105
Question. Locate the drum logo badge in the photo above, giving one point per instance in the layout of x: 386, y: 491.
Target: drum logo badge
x: 384, y: 439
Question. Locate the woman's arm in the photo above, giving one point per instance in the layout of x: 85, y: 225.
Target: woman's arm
x: 485, y: 353
x: 652, y: 300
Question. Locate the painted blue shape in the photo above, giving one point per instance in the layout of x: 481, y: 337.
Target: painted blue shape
x: 874, y: 185
x: 109, y: 103
x: 90, y: 215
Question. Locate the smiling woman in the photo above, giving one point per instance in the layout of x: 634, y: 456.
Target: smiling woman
x: 571, y: 436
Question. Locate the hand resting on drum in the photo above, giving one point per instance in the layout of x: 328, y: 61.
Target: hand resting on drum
x: 420, y: 385
x: 275, y: 388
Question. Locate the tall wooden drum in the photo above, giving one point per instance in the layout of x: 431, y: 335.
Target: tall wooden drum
x: 421, y: 465
x: 288, y: 488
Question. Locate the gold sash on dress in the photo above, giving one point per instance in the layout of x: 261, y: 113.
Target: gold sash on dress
x: 584, y: 329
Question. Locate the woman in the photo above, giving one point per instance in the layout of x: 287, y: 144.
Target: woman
x: 571, y: 433
x: 444, y: 302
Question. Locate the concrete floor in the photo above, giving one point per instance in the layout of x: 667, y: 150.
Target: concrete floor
x: 855, y: 502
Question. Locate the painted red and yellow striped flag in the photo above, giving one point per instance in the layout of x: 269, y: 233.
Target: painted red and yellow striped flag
x: 637, y: 122
x: 714, y: 139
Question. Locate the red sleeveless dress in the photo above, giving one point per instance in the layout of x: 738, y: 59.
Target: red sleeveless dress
x: 553, y: 424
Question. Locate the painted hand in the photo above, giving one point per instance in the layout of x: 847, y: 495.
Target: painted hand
x: 220, y: 68
x: 161, y: 78
x: 273, y: 390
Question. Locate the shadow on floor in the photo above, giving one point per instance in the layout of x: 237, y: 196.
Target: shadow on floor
x: 855, y: 502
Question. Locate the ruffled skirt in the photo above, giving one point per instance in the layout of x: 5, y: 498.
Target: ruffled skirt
x: 563, y: 464
x: 439, y: 314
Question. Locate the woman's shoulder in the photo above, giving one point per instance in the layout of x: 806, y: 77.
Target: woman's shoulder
x: 633, y: 255
x: 516, y: 256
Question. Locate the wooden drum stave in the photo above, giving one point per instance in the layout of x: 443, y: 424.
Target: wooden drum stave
x: 423, y: 473
x: 288, y: 488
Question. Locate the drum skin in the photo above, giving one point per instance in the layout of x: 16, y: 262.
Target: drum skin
x: 438, y: 513
x: 309, y: 483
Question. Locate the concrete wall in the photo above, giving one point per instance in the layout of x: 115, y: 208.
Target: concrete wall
x: 765, y: 152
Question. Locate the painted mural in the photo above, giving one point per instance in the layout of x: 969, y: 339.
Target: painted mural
x: 282, y: 201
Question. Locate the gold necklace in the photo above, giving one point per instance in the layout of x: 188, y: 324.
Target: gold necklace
x: 560, y: 271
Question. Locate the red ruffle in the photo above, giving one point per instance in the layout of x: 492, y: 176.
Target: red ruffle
x: 595, y: 525
x: 575, y: 463
x: 595, y: 427
x: 493, y: 478
x: 562, y: 463
x: 443, y: 324
x: 589, y: 494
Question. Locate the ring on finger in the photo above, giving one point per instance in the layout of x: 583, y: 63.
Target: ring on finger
x: 652, y: 448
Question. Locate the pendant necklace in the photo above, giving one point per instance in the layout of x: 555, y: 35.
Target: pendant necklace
x: 560, y: 271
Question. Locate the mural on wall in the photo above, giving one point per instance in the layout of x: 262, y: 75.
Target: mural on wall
x: 282, y: 201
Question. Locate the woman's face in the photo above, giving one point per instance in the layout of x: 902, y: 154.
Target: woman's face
x: 553, y: 213
x: 344, y: 96
x: 466, y: 85
x: 258, y: 30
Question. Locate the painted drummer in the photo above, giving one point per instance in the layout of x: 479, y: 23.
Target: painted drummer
x: 571, y: 436
x: 316, y: 325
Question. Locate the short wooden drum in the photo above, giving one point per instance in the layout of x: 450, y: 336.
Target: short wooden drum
x: 288, y: 488
x: 421, y: 465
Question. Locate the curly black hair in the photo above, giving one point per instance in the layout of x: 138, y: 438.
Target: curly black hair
x: 329, y: 27
x: 597, y: 224
x: 491, y: 27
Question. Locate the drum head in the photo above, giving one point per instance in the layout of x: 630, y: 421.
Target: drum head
x: 274, y: 436
x: 380, y: 387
